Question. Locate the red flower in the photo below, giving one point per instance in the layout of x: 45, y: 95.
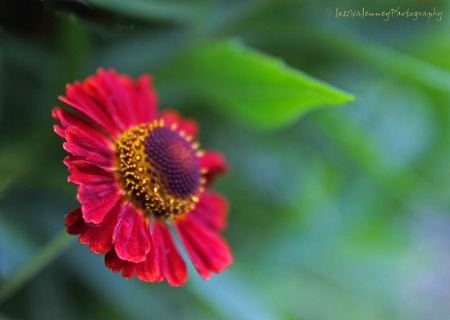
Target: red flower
x: 136, y: 170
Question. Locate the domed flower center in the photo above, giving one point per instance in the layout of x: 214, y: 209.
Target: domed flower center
x: 159, y: 169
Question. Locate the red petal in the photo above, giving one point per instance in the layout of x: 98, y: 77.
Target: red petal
x: 172, y: 264
x: 114, y: 95
x: 113, y: 262
x: 98, y: 191
x: 189, y: 126
x: 214, y: 162
x: 96, y: 202
x: 67, y: 119
x: 100, y: 237
x: 212, y: 210
x: 130, y: 239
x: 129, y: 269
x: 146, y: 271
x: 114, y: 102
x: 74, y: 222
x: 145, y: 100
x: 79, y: 100
x: 208, y: 251
x: 83, y: 172
x: 85, y: 147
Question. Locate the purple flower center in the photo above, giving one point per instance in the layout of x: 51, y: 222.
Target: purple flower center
x: 174, y: 160
x: 159, y: 170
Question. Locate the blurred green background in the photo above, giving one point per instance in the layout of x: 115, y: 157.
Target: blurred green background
x: 341, y: 214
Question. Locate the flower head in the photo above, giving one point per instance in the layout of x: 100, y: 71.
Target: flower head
x: 136, y: 170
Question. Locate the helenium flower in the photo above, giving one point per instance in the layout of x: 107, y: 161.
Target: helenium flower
x: 136, y: 170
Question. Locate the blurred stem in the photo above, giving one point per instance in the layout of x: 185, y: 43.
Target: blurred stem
x: 33, y: 267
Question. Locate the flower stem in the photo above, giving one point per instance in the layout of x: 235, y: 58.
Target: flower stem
x: 36, y: 264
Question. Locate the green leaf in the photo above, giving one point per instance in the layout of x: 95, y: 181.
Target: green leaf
x: 249, y: 85
x: 149, y: 10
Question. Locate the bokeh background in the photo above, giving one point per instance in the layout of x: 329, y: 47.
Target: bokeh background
x: 342, y: 214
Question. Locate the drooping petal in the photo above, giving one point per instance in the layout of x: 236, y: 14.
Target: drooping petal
x: 189, y: 126
x: 85, y: 147
x: 98, y: 237
x: 113, y: 262
x: 148, y: 270
x: 208, y: 251
x: 171, y: 263
x: 130, y: 239
x: 129, y: 269
x: 98, y: 191
x: 212, y: 210
x: 214, y: 162
x: 74, y: 222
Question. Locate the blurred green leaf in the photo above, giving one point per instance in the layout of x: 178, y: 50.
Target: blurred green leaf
x: 251, y: 86
x: 434, y: 49
x: 391, y: 61
x: 149, y: 10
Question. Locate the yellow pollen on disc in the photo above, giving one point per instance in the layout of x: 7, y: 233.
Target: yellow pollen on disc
x: 159, y: 170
